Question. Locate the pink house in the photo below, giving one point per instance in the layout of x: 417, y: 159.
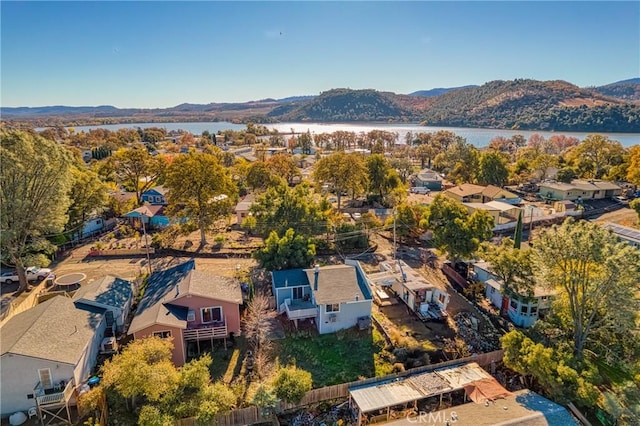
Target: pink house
x: 191, y: 307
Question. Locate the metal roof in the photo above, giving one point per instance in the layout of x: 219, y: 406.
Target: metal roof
x: 623, y: 232
x: 377, y: 396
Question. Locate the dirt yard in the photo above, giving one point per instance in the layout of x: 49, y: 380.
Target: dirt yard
x: 624, y: 217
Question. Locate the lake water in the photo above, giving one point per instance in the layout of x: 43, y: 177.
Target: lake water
x: 477, y: 137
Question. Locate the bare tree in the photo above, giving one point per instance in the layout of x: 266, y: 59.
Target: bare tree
x: 257, y: 325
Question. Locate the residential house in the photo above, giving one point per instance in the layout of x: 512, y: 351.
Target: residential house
x: 624, y: 233
x: 192, y: 307
x: 243, y: 207
x: 466, y: 193
x: 495, y: 193
x: 427, y: 178
x: 523, y: 309
x: 155, y: 196
x: 501, y: 212
x: 46, y: 351
x: 423, y: 298
x: 110, y: 293
x: 579, y: 190
x: 151, y: 216
x: 334, y: 297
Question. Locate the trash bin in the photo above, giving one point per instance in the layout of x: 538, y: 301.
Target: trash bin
x: 50, y: 280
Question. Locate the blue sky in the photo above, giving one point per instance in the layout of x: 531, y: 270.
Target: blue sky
x: 160, y: 54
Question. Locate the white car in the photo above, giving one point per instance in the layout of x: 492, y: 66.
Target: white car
x: 33, y: 274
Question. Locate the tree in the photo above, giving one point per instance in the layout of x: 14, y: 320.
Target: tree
x: 566, y: 175
x: 517, y: 236
x: 454, y: 231
x: 292, y: 383
x: 595, y: 155
x: 513, y: 268
x: 342, y: 172
x: 459, y: 161
x: 635, y: 205
x: 257, y: 325
x: 305, y: 142
x: 408, y: 220
x: 87, y: 194
x: 492, y: 169
x: 283, y: 165
x: 595, y: 275
x: 382, y: 178
x: 143, y: 369
x: 34, y: 195
x: 260, y: 176
x: 289, y: 252
x: 404, y: 167
x: 137, y: 169
x: 282, y: 207
x: 200, y: 190
x: 542, y: 163
x: 633, y: 173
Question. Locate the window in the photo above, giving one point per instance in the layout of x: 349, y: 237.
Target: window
x: 493, y: 290
x: 297, y: 292
x: 514, y: 304
x: 534, y: 310
x: 524, y: 309
x: 162, y: 334
x: 158, y: 199
x: 191, y: 315
x: 213, y: 314
x: 441, y: 298
x: 333, y: 308
x: 45, y: 378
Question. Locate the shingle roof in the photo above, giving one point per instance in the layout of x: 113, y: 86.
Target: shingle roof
x: 491, y: 191
x: 167, y: 286
x: 54, y: 330
x: 466, y: 189
x: 147, y: 210
x: 108, y: 290
x: 336, y: 284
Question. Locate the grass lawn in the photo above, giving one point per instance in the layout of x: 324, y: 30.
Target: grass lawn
x: 333, y: 358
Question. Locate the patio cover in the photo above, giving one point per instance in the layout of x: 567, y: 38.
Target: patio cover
x: 385, y: 395
x: 486, y: 390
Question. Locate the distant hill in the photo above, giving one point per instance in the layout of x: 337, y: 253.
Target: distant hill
x: 535, y: 105
x: 626, y: 89
x: 514, y: 104
x: 346, y: 105
x: 438, y: 91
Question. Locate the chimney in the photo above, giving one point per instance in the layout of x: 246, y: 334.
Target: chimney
x: 315, y: 279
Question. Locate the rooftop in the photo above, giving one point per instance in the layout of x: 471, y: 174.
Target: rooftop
x: 336, y: 284
x: 465, y: 189
x: 54, y: 330
x: 629, y: 234
x: 108, y: 290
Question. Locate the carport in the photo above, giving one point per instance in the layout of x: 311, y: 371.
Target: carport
x: 375, y: 400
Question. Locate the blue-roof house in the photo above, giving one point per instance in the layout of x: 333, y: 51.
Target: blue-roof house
x: 334, y: 297
x: 155, y: 196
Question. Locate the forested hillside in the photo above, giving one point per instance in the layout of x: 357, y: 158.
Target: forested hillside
x: 628, y: 89
x: 348, y: 105
x: 536, y: 105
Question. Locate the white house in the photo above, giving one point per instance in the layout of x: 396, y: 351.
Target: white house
x: 629, y: 235
x: 46, y: 351
x: 334, y: 297
x: 423, y: 298
x: 523, y: 310
x: 110, y: 293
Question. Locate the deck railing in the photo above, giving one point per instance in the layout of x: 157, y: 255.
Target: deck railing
x: 201, y: 333
x: 56, y: 397
x: 293, y: 313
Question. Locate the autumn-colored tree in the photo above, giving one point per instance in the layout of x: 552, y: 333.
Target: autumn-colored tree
x: 87, y: 194
x: 492, y: 169
x: 594, y: 156
x: 283, y: 165
x: 200, y: 190
x: 136, y: 169
x: 633, y: 173
x: 343, y: 173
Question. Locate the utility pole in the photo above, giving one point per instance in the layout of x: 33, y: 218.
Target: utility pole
x: 146, y: 242
x: 395, y: 250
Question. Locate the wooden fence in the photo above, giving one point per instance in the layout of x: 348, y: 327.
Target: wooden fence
x: 27, y: 303
x: 251, y: 415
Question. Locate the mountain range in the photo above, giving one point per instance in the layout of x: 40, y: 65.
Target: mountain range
x: 513, y: 104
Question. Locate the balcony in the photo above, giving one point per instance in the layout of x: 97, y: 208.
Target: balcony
x: 299, y: 309
x: 59, y: 394
x: 217, y: 330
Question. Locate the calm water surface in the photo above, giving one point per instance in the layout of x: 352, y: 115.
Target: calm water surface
x: 477, y: 137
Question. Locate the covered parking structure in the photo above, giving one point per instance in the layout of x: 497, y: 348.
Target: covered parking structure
x: 374, y: 402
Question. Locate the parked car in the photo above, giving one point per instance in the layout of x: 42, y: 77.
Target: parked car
x: 33, y: 274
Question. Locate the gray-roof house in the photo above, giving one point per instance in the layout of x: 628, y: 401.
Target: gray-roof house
x: 335, y: 297
x: 188, y: 306
x: 45, y: 349
x: 427, y: 178
x: 579, y: 189
x: 110, y: 293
